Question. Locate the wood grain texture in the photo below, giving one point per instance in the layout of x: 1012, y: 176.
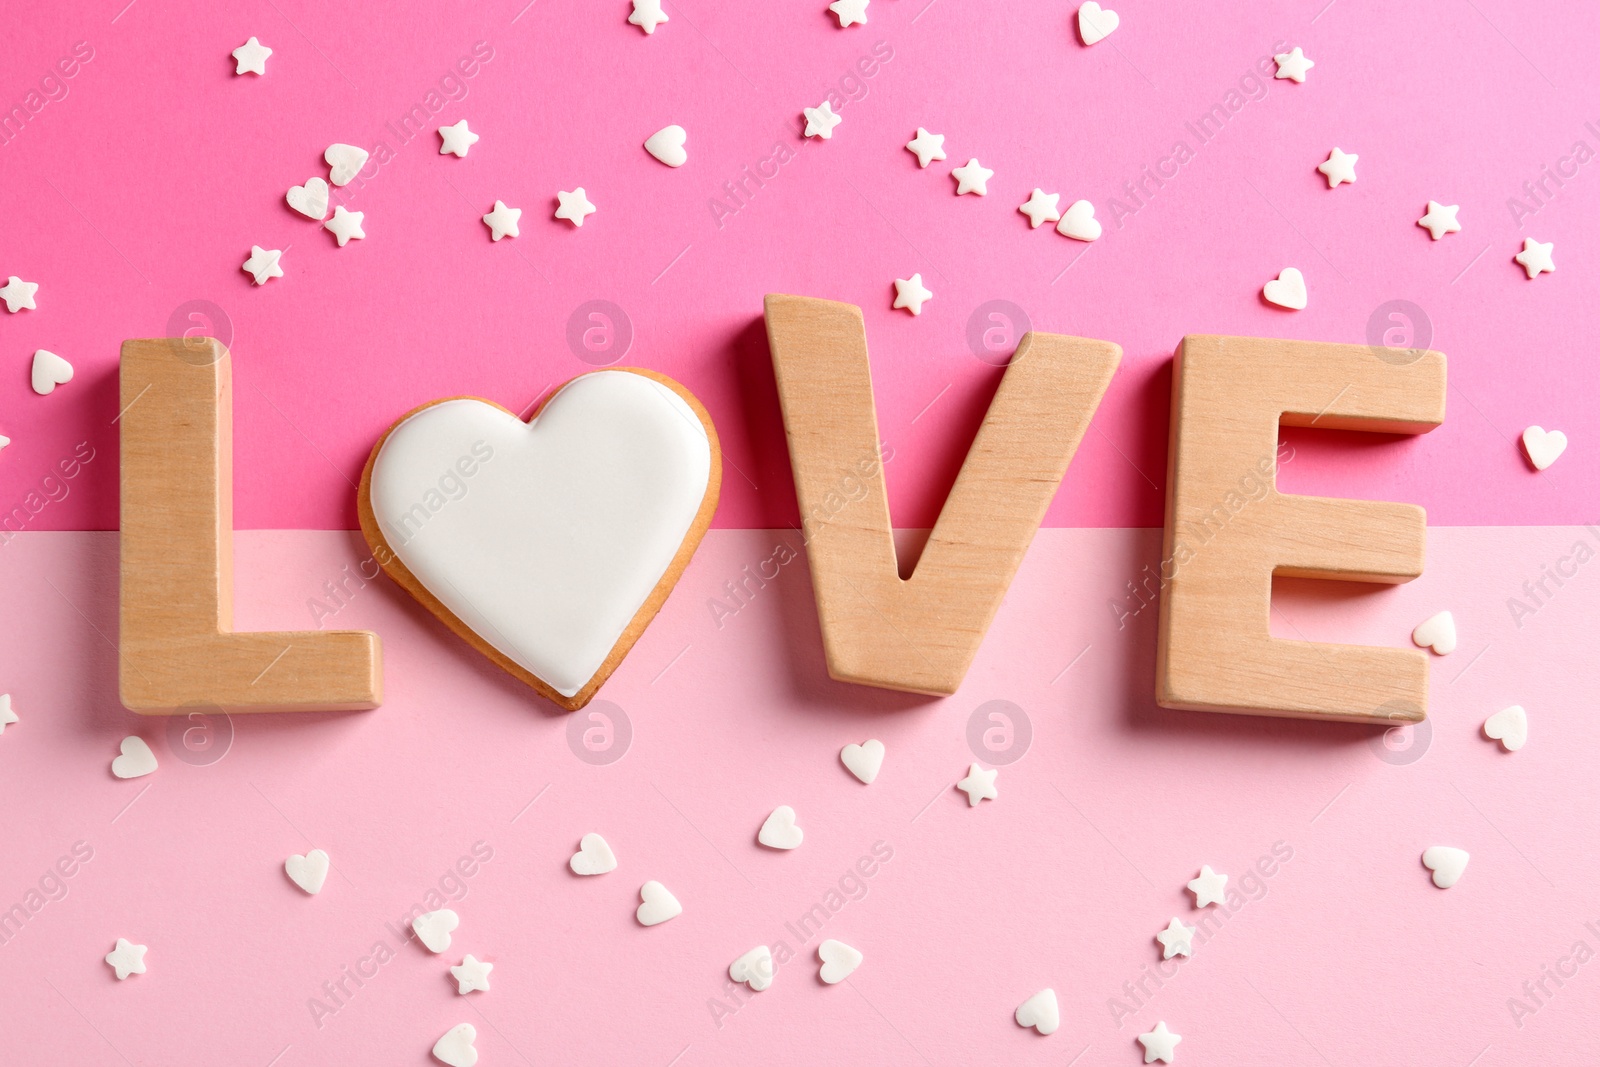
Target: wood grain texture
x: 385, y: 556
x: 178, y: 652
x: 921, y: 633
x: 1229, y: 530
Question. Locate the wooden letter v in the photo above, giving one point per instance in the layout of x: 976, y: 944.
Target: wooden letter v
x: 920, y: 634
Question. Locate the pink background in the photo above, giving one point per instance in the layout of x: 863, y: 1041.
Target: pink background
x: 145, y: 187
x: 1347, y: 952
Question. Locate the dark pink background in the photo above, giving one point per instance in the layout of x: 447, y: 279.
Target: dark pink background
x: 145, y: 187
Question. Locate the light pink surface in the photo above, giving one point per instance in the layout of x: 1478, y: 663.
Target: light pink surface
x: 1346, y: 954
x: 145, y: 186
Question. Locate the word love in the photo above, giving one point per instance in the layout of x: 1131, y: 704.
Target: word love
x: 553, y: 558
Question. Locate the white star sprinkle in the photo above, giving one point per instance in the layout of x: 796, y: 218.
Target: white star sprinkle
x: 251, y: 57
x: 7, y: 716
x: 1042, y: 207
x: 820, y: 121
x: 1440, y: 219
x: 472, y: 974
x: 575, y: 206
x: 1160, y: 1043
x: 1340, y: 166
x: 263, y: 264
x: 979, y: 785
x: 1535, y: 257
x: 4, y: 440
x: 647, y: 15
x: 127, y: 958
x: 1176, y: 940
x: 346, y: 224
x: 850, y: 12
x: 972, y: 178
x: 18, y: 294
x: 1293, y: 65
x: 910, y: 294
x: 502, y: 221
x: 926, y: 147
x: 1209, y: 888
x: 455, y: 140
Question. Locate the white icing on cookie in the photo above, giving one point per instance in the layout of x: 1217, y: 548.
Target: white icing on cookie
x: 546, y: 537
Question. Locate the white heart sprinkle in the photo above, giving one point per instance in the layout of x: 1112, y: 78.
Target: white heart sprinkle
x: 1543, y: 447
x: 864, y: 760
x: 344, y: 162
x: 779, y: 831
x: 308, y: 871
x: 455, y: 1047
x: 1096, y: 23
x: 1437, y: 632
x: 433, y: 929
x: 754, y: 968
x: 1446, y: 863
x: 839, y: 961
x: 659, y: 905
x: 136, y: 760
x: 594, y: 856
x: 310, y: 199
x: 1287, y: 290
x: 1040, y: 1011
x: 49, y: 371
x: 1079, y: 222
x: 666, y: 144
x: 1509, y: 726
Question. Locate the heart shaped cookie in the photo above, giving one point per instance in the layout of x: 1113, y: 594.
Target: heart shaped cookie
x: 550, y: 544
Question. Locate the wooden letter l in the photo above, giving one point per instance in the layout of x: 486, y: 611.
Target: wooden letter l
x: 177, y: 650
